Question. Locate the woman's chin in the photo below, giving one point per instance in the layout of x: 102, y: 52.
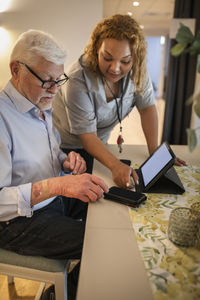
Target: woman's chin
x: 113, y: 78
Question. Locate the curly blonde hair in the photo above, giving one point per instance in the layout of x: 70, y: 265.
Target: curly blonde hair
x: 119, y: 27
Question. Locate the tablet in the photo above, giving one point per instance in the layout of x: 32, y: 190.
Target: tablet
x: 155, y: 166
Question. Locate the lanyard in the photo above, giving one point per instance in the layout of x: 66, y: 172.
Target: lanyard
x: 120, y: 139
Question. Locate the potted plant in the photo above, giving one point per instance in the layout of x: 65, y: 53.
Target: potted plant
x: 188, y: 43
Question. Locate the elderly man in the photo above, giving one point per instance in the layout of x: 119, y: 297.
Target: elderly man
x: 42, y: 210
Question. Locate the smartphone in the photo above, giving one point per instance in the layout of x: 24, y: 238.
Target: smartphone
x: 125, y: 196
x: 126, y: 161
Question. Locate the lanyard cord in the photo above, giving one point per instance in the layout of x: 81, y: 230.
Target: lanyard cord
x: 119, y: 118
x: 120, y: 139
x: 121, y: 98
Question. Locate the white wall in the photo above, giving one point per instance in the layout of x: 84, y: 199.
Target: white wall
x: 69, y: 21
x: 154, y: 60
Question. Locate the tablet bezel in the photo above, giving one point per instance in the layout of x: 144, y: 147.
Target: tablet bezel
x: 162, y: 171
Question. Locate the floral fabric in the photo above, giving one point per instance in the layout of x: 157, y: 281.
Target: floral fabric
x: 174, y: 272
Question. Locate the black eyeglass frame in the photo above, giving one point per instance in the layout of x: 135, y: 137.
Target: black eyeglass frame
x: 57, y: 82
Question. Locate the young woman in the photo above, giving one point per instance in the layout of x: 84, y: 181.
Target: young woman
x: 104, y: 85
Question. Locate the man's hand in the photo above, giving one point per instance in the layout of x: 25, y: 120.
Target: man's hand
x: 75, y: 163
x: 86, y: 187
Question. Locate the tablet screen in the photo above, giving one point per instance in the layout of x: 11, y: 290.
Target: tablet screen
x: 155, y: 163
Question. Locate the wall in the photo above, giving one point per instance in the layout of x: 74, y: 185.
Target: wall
x: 71, y: 22
x: 155, y: 56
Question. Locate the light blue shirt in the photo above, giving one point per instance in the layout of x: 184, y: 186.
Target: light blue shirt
x: 29, y: 152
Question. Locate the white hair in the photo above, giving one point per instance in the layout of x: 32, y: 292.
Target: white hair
x: 34, y: 44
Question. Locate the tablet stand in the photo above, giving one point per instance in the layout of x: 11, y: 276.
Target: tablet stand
x: 168, y: 183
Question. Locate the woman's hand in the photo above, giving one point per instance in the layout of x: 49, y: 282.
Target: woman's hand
x: 179, y: 162
x: 75, y: 163
x: 122, y: 175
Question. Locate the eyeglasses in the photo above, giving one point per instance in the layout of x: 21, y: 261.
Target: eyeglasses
x: 47, y: 84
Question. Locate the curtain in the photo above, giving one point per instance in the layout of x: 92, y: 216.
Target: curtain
x: 180, y: 82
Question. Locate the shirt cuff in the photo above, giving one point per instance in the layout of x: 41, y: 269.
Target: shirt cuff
x: 24, y: 205
x: 62, y: 156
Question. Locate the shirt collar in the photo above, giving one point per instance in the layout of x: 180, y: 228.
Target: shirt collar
x: 21, y: 103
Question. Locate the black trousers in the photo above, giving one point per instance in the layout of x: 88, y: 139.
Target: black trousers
x: 55, y: 231
x: 88, y: 158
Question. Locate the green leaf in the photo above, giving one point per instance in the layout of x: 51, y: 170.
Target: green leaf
x: 192, y: 139
x: 198, y: 36
x: 184, y: 35
x: 198, y: 63
x: 156, y: 251
x: 195, y: 47
x: 189, y: 100
x: 178, y: 49
x: 193, y: 98
x: 197, y: 107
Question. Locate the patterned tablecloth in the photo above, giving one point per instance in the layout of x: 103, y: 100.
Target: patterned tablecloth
x: 174, y: 272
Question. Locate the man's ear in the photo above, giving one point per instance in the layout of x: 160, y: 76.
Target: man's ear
x: 14, y: 68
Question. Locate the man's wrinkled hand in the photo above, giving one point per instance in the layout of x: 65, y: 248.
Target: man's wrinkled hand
x: 86, y: 187
x: 75, y: 163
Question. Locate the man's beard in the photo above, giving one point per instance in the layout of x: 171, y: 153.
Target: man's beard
x: 45, y: 104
